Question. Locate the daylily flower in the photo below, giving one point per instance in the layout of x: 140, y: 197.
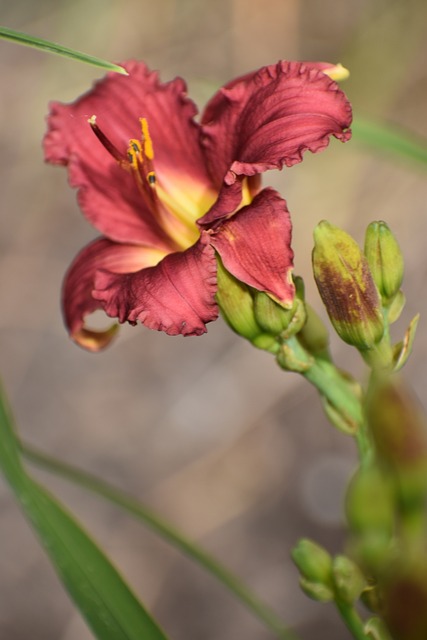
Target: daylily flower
x: 169, y: 193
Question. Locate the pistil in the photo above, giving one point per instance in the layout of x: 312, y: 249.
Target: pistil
x: 138, y: 160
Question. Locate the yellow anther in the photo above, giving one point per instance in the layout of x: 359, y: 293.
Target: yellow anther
x: 146, y: 139
x: 151, y: 178
x: 135, y: 153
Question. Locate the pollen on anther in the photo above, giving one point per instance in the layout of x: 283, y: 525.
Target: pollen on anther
x: 151, y: 178
x: 146, y: 138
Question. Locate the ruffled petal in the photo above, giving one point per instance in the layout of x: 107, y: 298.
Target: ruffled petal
x: 108, y: 194
x: 77, y: 300
x: 255, y: 246
x: 228, y: 201
x: 267, y: 119
x: 176, y: 296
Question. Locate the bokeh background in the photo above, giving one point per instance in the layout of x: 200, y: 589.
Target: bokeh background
x: 208, y: 431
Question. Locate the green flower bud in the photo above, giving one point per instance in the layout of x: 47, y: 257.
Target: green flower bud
x: 399, y: 428
x: 370, y: 510
x: 270, y: 316
x: 385, y: 260
x: 313, y: 561
x: 314, y: 336
x: 316, y: 590
x: 346, y: 287
x: 370, y: 501
x: 349, y: 581
x: 237, y: 306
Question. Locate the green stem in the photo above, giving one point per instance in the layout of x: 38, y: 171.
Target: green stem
x: 364, y: 445
x: 88, y: 481
x: 338, y: 393
x: 352, y: 620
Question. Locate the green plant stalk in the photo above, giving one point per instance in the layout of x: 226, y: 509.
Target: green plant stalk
x: 330, y: 384
x: 352, y: 620
x: 101, y: 488
x: 51, y: 47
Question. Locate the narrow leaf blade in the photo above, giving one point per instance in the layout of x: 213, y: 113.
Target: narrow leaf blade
x: 52, y: 47
x: 390, y: 139
x: 104, y: 599
x: 168, y: 533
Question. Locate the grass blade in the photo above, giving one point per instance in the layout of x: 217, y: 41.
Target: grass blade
x: 168, y: 533
x: 104, y: 599
x: 390, y: 139
x: 51, y: 47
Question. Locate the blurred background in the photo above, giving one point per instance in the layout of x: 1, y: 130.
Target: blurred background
x: 208, y: 431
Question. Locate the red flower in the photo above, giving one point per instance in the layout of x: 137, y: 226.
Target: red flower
x: 167, y: 193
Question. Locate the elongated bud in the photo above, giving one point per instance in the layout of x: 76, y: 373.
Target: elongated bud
x: 348, y: 579
x: 316, y: 590
x: 399, y: 428
x: 236, y: 304
x: 313, y: 561
x: 370, y: 510
x: 385, y: 260
x: 314, y: 335
x: 346, y: 287
x: 370, y: 501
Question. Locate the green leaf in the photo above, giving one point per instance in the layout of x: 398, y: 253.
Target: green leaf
x: 51, y: 47
x: 168, y: 533
x: 390, y: 139
x: 104, y: 599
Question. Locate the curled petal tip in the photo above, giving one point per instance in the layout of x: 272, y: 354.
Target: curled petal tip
x: 94, y: 340
x: 337, y: 72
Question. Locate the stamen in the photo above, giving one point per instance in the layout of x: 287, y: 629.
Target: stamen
x: 139, y: 156
x: 112, y: 150
x: 135, y: 155
x: 146, y: 138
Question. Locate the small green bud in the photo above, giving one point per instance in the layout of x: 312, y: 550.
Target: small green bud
x: 237, y: 306
x: 314, y: 336
x: 269, y: 315
x: 348, y: 579
x: 316, y: 590
x: 370, y: 501
x: 346, y: 287
x: 399, y: 429
x: 313, y: 561
x: 385, y: 260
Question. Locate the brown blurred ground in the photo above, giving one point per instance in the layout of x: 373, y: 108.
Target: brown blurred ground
x: 208, y: 431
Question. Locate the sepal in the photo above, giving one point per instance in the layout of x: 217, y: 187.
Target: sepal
x: 403, y: 349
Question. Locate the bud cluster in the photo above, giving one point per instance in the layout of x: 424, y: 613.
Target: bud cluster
x: 361, y: 290
x: 325, y: 578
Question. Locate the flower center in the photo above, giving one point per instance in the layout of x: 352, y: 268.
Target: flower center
x: 178, y: 223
